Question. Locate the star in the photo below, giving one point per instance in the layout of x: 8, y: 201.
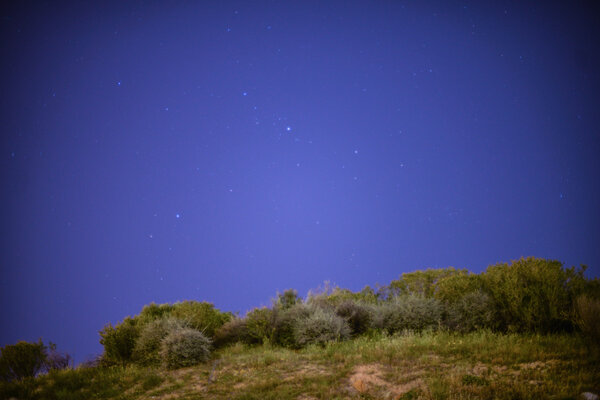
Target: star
x: 288, y: 128
x: 177, y: 216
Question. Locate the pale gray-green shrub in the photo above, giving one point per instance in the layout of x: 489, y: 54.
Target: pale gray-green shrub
x: 185, y: 347
x: 320, y: 327
x: 412, y: 313
x: 147, y: 346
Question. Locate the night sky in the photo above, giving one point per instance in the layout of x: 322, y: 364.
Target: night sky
x: 224, y: 151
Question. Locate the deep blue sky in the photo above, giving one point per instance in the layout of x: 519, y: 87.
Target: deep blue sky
x: 222, y: 151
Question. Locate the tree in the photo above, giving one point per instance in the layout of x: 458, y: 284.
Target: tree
x: 22, y: 360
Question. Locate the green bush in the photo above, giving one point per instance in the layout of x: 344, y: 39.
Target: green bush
x: 359, y: 317
x: 119, y: 341
x: 185, y: 347
x: 419, y: 283
x: 285, y: 323
x: 320, y: 327
x: 452, y: 288
x: 259, y: 325
x: 534, y: 294
x: 22, y: 360
x: 328, y: 297
x: 230, y: 332
x: 147, y: 345
x: 202, y: 316
x: 287, y: 299
x: 587, y: 311
x: 153, y: 312
x: 473, y: 311
x: 414, y: 313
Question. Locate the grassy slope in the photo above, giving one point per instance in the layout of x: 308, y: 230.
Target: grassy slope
x: 431, y: 366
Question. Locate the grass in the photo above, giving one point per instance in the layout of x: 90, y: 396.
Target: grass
x: 481, y: 365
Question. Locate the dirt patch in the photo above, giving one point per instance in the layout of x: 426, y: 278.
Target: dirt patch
x: 306, y: 370
x: 532, y: 365
x: 480, y: 369
x: 370, y: 379
x: 366, y: 376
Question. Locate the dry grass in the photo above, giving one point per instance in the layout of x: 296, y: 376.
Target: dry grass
x: 481, y: 365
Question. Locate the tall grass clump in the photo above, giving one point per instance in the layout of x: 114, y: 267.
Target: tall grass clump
x: 185, y: 347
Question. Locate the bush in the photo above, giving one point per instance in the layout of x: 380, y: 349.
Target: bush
x: 359, y: 317
x: 285, y: 322
x: 259, y: 325
x: 419, y: 283
x: 533, y: 294
x: 119, y: 341
x: 147, y: 346
x: 153, y: 312
x: 22, y: 360
x: 320, y: 327
x: 328, y: 297
x: 287, y: 299
x: 231, y: 332
x: 202, y: 316
x: 587, y: 311
x: 473, y: 311
x: 185, y: 347
x: 413, y: 313
x: 452, y: 288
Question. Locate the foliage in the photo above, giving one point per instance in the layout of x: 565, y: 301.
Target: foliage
x: 359, y: 317
x: 185, y: 347
x: 587, y: 311
x: 478, y: 365
x: 285, y: 322
x: 330, y: 297
x: 320, y: 327
x: 453, y: 287
x: 153, y: 311
x: 232, y: 331
x: 202, y: 316
x: 421, y: 283
x: 473, y: 311
x: 534, y: 294
x: 147, y: 345
x: 119, y: 341
x: 287, y: 299
x: 259, y: 325
x: 413, y: 313
x: 22, y: 360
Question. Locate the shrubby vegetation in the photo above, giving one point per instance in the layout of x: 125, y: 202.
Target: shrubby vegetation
x: 148, y: 344
x: 184, y: 347
x: 22, y: 360
x: 529, y: 295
